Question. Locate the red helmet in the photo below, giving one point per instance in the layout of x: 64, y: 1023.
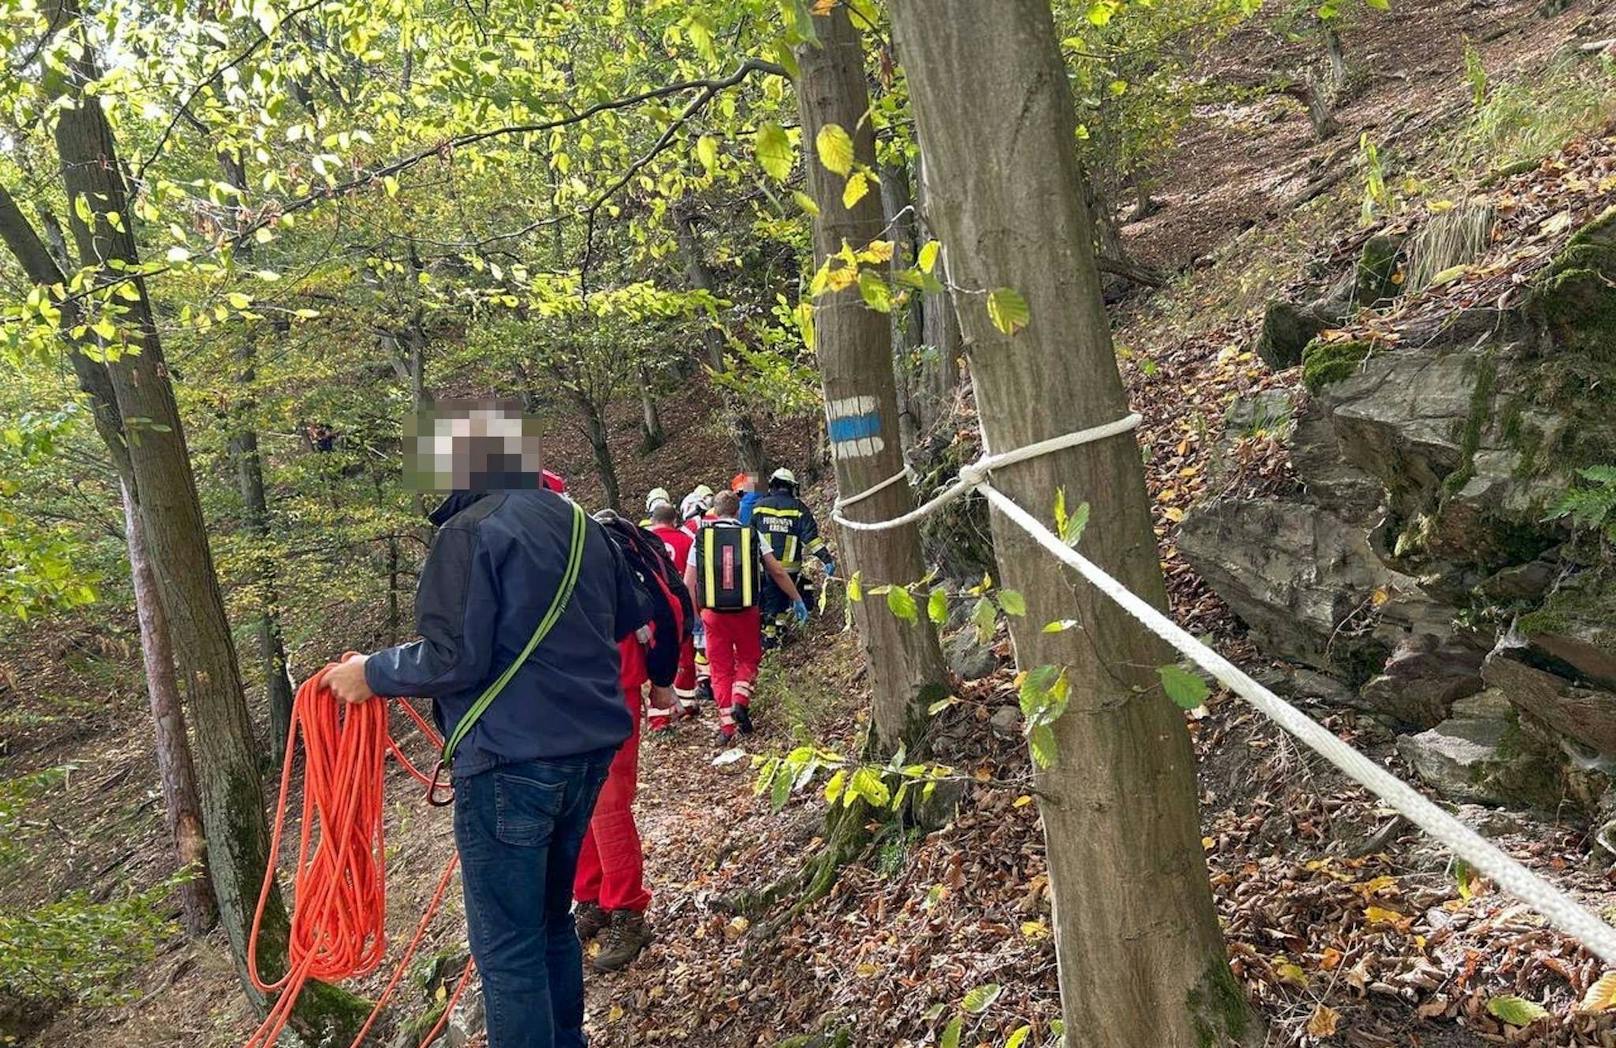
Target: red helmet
x: 555, y: 482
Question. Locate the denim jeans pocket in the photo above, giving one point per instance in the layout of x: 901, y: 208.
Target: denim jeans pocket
x: 525, y: 809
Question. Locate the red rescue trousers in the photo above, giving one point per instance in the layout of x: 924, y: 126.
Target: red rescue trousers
x: 684, y: 685
x: 734, y: 649
x: 611, y: 867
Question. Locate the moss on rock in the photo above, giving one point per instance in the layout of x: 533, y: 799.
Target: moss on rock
x: 1327, y: 362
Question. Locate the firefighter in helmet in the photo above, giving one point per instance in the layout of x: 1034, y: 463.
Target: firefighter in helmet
x: 788, y: 528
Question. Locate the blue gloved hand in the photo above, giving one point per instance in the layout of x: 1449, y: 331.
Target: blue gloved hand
x: 830, y: 567
x: 799, y: 611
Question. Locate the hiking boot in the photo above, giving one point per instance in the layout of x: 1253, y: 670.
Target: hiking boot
x: 743, y: 719
x: 590, y: 919
x: 704, y: 693
x: 622, y: 941
x: 725, y: 738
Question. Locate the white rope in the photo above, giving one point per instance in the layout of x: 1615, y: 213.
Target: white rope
x: 976, y: 473
x: 1562, y: 910
x: 907, y: 473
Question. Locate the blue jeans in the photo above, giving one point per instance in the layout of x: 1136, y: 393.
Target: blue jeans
x: 519, y: 828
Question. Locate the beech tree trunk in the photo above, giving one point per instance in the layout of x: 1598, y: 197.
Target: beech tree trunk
x: 595, y: 429
x: 175, y: 769
x: 940, y: 332
x: 227, y: 763
x: 897, y: 206
x: 1139, y: 953
x: 854, y: 345
x: 743, y: 430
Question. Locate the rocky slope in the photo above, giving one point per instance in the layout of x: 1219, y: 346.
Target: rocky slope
x: 1455, y: 380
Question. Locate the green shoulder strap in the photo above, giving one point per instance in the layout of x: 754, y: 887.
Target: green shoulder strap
x: 558, y: 604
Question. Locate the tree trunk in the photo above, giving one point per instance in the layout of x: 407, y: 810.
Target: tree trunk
x: 255, y: 502
x: 897, y: 207
x: 595, y: 427
x: 176, y: 534
x: 743, y: 430
x: 651, y: 434
x: 175, y: 770
x: 1137, y: 943
x: 940, y: 332
x: 854, y: 344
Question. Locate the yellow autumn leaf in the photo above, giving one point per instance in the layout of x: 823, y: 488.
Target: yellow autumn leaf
x: 1322, y: 1022
x: 1023, y: 800
x: 1382, y: 917
x: 1288, y: 972
x: 1601, y: 996
x: 1035, y: 929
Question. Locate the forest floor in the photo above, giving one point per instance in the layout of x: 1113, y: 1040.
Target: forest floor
x: 1344, y: 927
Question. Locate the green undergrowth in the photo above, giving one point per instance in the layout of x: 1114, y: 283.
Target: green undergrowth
x: 1520, y: 120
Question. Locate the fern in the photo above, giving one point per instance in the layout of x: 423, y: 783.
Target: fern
x: 1591, y: 506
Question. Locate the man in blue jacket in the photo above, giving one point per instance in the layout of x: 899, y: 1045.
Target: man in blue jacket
x: 528, y: 771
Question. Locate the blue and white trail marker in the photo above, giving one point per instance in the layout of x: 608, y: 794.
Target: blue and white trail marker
x: 854, y: 427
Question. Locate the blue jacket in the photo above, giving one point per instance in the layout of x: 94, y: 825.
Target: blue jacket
x: 749, y: 499
x: 492, y: 570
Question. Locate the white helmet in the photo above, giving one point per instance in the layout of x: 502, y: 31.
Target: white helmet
x: 658, y: 496
x: 783, y: 476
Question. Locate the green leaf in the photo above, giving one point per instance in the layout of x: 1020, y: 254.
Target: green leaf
x: 940, y: 705
x: 774, y: 151
x: 855, y: 588
x: 1041, y: 740
x: 867, y: 785
x: 707, y: 152
x: 1070, y: 526
x: 1059, y: 626
x: 1018, y: 1036
x: 105, y: 328
x: 835, y: 147
x: 984, y: 617
x: 951, y: 1034
x: 805, y: 202
x: 1012, y: 602
x: 937, y: 606
x: 1379, y: 5
x: 1008, y: 310
x: 177, y: 254
x: 1187, y: 690
x: 782, y: 789
x: 902, y: 603
x: 875, y: 292
x: 833, y: 788
x: 1517, y: 1011
x: 238, y: 300
x: 979, y: 999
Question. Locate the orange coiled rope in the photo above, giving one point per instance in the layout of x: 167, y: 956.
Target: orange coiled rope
x: 338, y: 926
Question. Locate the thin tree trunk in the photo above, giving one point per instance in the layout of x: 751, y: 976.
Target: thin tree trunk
x: 854, y: 345
x: 255, y: 501
x: 743, y: 430
x: 940, y: 332
x: 175, y: 770
x: 651, y: 434
x: 1137, y: 943
x: 595, y: 426
x: 897, y: 206
x: 176, y: 534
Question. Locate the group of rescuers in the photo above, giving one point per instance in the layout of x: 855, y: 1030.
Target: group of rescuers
x: 660, y: 617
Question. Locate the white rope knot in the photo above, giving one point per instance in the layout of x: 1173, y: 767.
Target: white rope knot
x: 974, y: 474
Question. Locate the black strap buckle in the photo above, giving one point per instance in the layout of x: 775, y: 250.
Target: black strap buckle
x: 432, y: 797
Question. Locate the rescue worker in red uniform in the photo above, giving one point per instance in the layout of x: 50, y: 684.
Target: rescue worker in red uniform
x: 677, y: 541
x: 695, y: 508
x: 724, y: 573
x: 609, y: 887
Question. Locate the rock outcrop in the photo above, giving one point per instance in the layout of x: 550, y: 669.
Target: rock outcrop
x: 1418, y: 564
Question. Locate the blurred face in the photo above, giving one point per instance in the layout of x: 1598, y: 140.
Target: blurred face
x: 473, y: 445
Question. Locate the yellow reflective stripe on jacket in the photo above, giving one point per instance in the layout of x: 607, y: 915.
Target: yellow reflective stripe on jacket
x: 748, y: 559
x: 709, y: 582
x: 788, y: 557
x: 775, y: 511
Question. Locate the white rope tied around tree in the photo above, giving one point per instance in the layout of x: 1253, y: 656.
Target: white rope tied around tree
x: 907, y: 473
x: 1564, y: 912
x: 976, y: 474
